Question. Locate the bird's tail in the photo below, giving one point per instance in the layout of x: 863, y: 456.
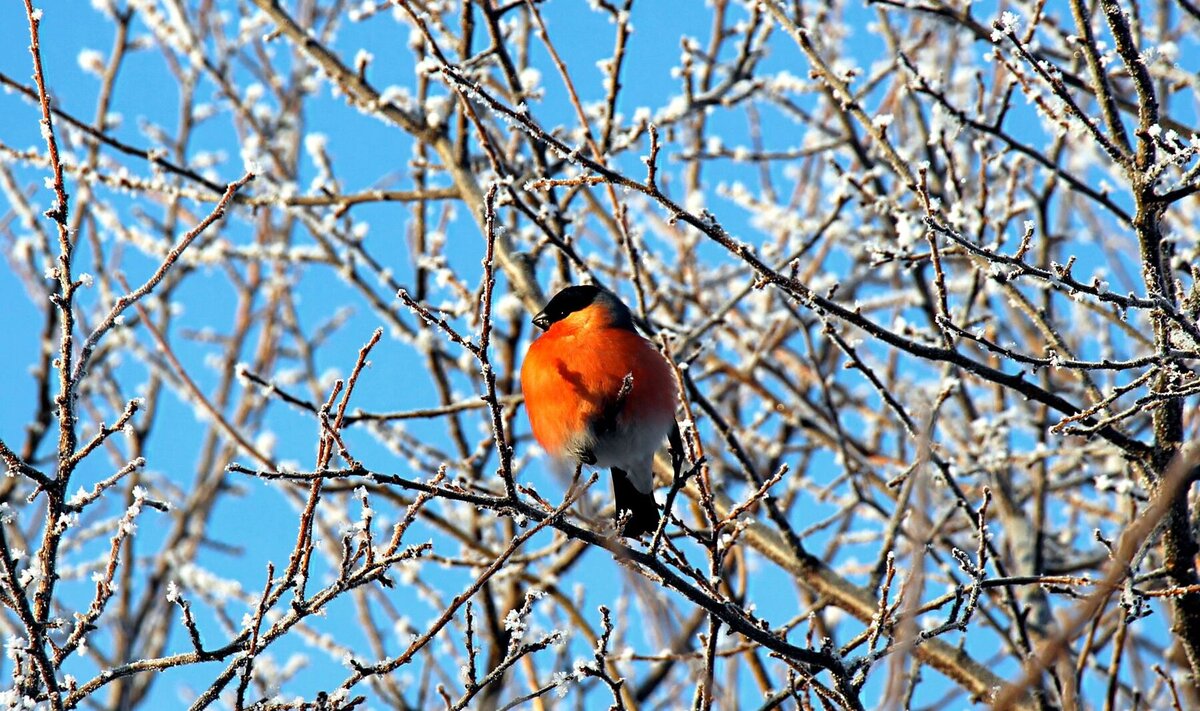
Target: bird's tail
x: 643, y: 512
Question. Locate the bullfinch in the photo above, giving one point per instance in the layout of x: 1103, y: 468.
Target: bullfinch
x: 599, y: 393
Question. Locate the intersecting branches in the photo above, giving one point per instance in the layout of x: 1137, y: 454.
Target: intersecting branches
x: 933, y: 305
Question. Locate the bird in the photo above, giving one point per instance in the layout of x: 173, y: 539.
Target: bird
x: 597, y: 392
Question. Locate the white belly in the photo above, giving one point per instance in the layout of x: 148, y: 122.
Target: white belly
x: 632, y: 448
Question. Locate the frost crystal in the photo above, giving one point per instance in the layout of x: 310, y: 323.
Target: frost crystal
x: 91, y: 61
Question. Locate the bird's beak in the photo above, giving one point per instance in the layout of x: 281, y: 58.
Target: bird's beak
x: 542, y: 321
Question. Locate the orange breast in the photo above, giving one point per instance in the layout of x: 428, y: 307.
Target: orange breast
x: 570, y: 377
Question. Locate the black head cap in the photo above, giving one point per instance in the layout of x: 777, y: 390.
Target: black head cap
x: 578, y: 298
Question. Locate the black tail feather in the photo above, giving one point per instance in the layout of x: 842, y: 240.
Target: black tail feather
x: 643, y: 512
